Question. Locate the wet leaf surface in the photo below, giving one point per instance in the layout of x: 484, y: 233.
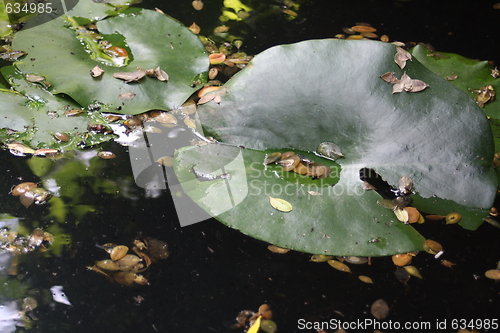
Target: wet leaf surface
x: 155, y: 40
x: 418, y: 135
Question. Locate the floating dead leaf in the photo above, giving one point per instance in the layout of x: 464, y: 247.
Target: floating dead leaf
x: 195, y: 29
x: 339, y: 266
x: 369, y: 35
x: 290, y: 12
x: 216, y: 58
x: 158, y: 10
x: 205, y: 90
x: 484, y: 95
x: 365, y: 279
x: 432, y: 247
x: 277, y: 249
x: 380, y: 309
x: 280, y: 204
x: 190, y: 123
x: 160, y: 74
x: 408, y: 84
x: 355, y: 37
x: 413, y: 214
x: 451, y: 77
x: 189, y: 107
x: 389, y: 77
x: 96, y: 71
x: 413, y: 271
x: 206, y: 99
x: 34, y: 78
x: 130, y: 76
x: 197, y: 4
x: 348, y: 31
x: 401, y: 57
x: 384, y: 38
x: 256, y: 325
x: 126, y: 96
x: 212, y: 73
x: 19, y: 149
x: 493, y: 274
x: 400, y: 44
x: 402, y: 215
x: 271, y: 158
x: 12, y: 55
x: 221, y: 29
x: 363, y: 28
x: 447, y: 263
x: 492, y: 222
x: 402, y: 259
x: 417, y: 85
x: 320, y: 257
x: 45, y: 151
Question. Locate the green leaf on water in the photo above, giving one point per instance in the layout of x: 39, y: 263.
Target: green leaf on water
x: 295, y: 97
x: 154, y: 40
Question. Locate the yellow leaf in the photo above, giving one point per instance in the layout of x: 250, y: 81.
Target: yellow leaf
x: 280, y: 204
x: 255, y: 327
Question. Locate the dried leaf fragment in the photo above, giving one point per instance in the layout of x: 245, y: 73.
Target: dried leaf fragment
x: 339, y: 266
x: 206, y: 99
x: 130, y: 76
x: 96, y: 71
x: 160, y: 74
x: 195, y: 28
x: 406, y: 83
x: 417, y: 85
x: 365, y: 279
x: 34, y: 78
x: 277, y: 249
x: 401, y: 57
x: 389, y: 77
x: 280, y: 204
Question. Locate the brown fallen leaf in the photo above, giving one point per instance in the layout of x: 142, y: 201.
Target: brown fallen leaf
x: 408, y: 84
x: 401, y: 57
x: 206, y: 99
x: 96, y: 71
x: 417, y: 85
x: 130, y: 76
x: 389, y: 77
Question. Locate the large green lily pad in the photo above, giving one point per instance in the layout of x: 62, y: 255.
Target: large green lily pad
x: 296, y: 96
x: 153, y: 40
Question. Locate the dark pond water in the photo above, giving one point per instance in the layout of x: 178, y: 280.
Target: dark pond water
x: 215, y: 272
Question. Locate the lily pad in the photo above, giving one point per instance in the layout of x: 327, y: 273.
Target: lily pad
x: 297, y: 96
x: 154, y: 40
x: 472, y: 75
x: 32, y: 115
